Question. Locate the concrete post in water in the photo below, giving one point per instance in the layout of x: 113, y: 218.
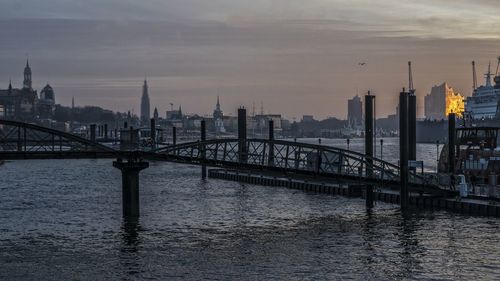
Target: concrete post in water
x: 106, y: 131
x: 92, y: 132
x: 153, y: 132
x: 242, y: 135
x: 130, y: 185
x: 403, y: 148
x: 451, y: 143
x: 271, y: 143
x: 202, y: 149
x: 369, y: 134
x: 412, y: 126
x: 174, y: 135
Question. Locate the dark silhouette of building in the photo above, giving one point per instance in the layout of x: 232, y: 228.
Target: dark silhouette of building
x: 355, y: 111
x: 145, y: 106
x: 47, y: 102
x: 218, y: 118
x: 19, y: 103
x: 155, y: 114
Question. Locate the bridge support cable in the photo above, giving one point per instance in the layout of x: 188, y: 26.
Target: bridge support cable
x: 369, y: 135
x: 403, y: 148
x: 130, y: 185
x: 203, y: 150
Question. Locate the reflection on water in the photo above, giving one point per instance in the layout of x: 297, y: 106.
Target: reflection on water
x: 62, y: 220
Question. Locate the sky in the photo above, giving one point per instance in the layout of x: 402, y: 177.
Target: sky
x: 295, y: 57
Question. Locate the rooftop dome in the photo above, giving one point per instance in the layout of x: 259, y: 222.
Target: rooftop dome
x: 47, y: 93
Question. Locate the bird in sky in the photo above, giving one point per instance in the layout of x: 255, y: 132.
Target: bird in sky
x: 361, y: 63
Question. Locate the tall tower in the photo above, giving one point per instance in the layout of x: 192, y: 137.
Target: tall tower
x: 218, y: 118
x: 27, y: 76
x: 145, y: 113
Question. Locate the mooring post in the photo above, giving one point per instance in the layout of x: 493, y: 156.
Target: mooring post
x: 369, y: 134
x: 174, y: 135
x: 202, y: 149
x: 130, y: 185
x: 451, y: 143
x: 403, y: 148
x: 271, y: 143
x: 412, y: 126
x: 242, y: 135
x: 92, y: 132
x: 106, y: 131
x: 153, y: 132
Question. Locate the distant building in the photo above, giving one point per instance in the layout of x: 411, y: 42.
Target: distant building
x: 218, y: 119
x: 145, y: 105
x: 19, y: 103
x: 263, y: 120
x: 442, y: 101
x: 155, y: 114
x: 174, y: 115
x: 47, y: 102
x: 308, y: 118
x: 355, y: 111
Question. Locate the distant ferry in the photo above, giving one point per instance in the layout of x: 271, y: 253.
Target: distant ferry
x: 485, y: 100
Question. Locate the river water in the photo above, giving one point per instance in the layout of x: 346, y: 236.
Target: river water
x: 61, y: 220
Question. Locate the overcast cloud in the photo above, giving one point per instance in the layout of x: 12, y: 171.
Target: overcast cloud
x: 298, y: 57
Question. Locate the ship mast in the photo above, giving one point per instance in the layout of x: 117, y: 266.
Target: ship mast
x: 488, y: 76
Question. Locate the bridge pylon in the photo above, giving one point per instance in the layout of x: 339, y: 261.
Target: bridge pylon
x: 130, y: 184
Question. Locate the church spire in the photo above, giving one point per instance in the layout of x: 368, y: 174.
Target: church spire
x: 145, y: 103
x: 27, y: 83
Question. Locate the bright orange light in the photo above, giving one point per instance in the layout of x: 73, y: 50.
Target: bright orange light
x: 454, y: 104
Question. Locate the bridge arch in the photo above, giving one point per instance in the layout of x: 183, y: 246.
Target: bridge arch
x: 289, y: 156
x: 18, y: 139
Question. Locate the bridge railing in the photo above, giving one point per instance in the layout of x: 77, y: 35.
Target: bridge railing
x: 289, y: 156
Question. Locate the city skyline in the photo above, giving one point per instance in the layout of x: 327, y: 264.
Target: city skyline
x: 297, y: 61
